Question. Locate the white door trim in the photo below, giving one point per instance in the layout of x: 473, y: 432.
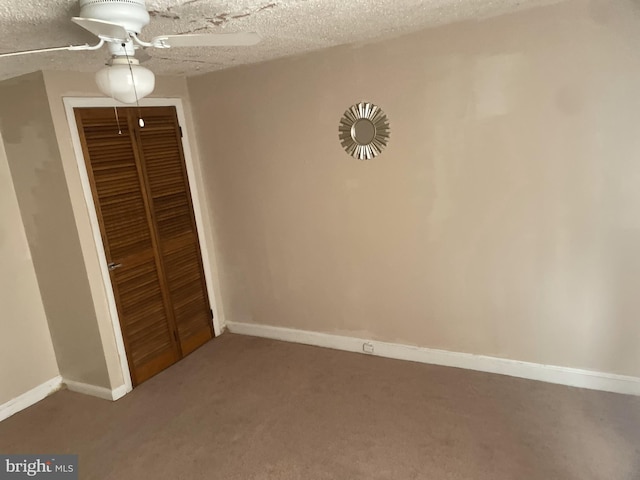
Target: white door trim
x: 197, y: 196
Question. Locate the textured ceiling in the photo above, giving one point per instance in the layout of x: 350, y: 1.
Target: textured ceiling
x: 287, y: 26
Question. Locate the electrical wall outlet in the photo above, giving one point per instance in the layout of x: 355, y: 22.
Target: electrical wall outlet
x: 367, y: 347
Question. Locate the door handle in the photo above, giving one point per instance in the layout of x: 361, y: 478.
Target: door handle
x: 112, y: 266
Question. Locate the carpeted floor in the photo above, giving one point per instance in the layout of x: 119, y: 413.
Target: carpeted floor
x: 248, y: 408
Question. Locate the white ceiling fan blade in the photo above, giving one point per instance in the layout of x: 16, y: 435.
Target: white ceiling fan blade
x: 207, y: 40
x: 52, y: 49
x: 27, y: 52
x: 104, y: 30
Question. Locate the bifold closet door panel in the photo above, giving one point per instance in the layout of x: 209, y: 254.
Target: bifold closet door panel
x: 172, y: 210
x: 125, y: 219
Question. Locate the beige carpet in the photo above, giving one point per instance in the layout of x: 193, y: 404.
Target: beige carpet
x: 248, y: 408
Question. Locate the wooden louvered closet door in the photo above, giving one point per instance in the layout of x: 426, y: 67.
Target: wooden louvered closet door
x: 168, y: 188
x: 142, y: 198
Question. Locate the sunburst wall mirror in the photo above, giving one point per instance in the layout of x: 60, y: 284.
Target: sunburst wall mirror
x: 364, y: 131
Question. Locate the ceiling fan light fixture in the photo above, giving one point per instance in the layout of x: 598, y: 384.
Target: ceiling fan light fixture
x: 125, y: 80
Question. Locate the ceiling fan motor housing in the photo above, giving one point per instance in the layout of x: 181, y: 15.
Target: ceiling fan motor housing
x: 131, y: 14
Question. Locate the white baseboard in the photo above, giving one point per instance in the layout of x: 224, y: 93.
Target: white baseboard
x: 95, y: 391
x: 29, y: 398
x: 45, y: 389
x: 119, y: 392
x: 573, y: 377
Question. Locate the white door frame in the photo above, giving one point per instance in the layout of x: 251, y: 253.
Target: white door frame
x: 196, y: 196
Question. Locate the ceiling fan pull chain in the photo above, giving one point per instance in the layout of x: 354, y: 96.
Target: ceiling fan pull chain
x: 115, y: 109
x: 135, y: 90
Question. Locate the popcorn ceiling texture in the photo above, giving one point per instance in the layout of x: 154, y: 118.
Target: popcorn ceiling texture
x: 289, y: 27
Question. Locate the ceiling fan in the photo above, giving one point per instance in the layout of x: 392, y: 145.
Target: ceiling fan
x: 118, y: 24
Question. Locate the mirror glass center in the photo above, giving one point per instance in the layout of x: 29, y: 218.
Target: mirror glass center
x: 363, y: 131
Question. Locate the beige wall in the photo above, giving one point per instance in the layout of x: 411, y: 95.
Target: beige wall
x: 26, y: 352
x: 502, y: 220
x: 39, y: 182
x: 72, y: 84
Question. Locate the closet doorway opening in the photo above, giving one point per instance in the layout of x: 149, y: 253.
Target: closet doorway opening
x: 144, y: 210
